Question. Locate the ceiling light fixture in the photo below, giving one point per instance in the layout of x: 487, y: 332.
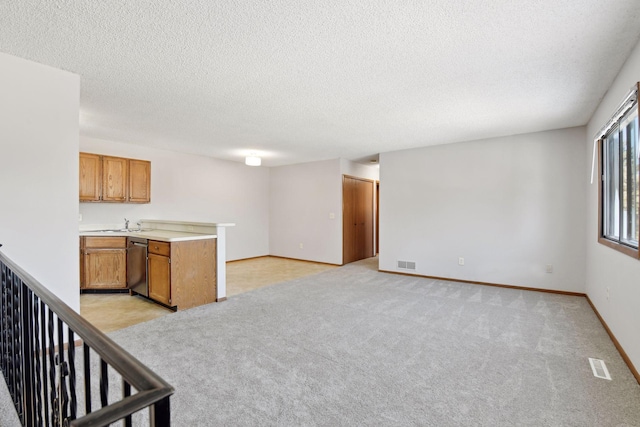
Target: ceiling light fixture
x: 252, y: 160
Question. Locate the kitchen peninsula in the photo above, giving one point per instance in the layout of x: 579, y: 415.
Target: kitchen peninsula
x: 175, y: 263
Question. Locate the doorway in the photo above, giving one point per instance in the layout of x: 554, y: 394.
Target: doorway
x: 357, y: 219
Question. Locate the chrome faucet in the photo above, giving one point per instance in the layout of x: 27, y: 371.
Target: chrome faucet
x: 139, y: 224
x: 126, y: 224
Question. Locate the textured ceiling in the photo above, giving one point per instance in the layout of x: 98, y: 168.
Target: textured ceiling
x: 299, y: 80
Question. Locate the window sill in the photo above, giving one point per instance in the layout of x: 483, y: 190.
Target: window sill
x: 633, y: 253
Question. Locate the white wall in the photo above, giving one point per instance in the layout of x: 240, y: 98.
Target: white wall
x: 302, y: 197
x: 605, y: 267
x: 359, y: 170
x: 39, y: 173
x: 509, y: 206
x: 187, y: 187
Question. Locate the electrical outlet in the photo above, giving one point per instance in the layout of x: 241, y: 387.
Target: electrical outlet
x: 549, y: 268
x: 460, y: 261
x: 301, y: 246
x: 332, y: 216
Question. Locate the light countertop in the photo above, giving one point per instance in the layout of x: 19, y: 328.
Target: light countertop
x: 163, y: 230
x: 161, y: 235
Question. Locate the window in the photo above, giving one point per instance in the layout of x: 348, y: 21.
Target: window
x: 620, y: 173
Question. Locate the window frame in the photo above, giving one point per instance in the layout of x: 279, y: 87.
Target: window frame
x: 623, y: 110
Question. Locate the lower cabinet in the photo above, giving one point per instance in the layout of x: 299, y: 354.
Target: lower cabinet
x: 159, y: 272
x: 182, y: 274
x: 103, y: 263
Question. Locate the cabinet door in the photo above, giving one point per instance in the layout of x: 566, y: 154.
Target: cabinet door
x: 115, y: 176
x: 90, y: 177
x: 160, y: 278
x: 105, y: 269
x: 81, y: 262
x: 139, y: 181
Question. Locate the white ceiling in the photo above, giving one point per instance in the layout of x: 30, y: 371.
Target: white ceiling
x: 300, y: 80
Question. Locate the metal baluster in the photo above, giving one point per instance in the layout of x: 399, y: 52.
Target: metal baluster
x: 11, y: 384
x: 17, y: 344
x: 104, y: 383
x: 45, y: 386
x: 87, y: 378
x: 72, y: 375
x: 64, y: 371
x: 5, y: 330
x: 26, y: 361
x: 160, y: 413
x: 37, y: 354
x: 126, y: 387
x: 52, y: 372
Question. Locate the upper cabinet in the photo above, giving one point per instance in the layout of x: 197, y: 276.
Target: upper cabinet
x: 139, y: 181
x: 115, y: 176
x: 90, y: 177
x: 114, y: 179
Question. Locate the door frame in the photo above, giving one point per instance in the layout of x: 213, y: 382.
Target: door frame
x: 373, y: 213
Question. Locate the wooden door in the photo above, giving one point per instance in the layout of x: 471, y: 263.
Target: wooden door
x: 115, y: 176
x: 90, y: 177
x: 357, y: 219
x: 160, y: 278
x: 139, y: 181
x: 349, y: 247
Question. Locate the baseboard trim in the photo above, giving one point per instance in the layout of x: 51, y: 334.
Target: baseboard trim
x: 247, y: 259
x: 615, y: 341
x: 304, y: 260
x: 498, y: 285
x: 221, y: 299
x: 282, y: 257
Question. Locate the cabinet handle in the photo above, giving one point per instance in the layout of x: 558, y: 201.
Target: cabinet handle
x: 156, y: 247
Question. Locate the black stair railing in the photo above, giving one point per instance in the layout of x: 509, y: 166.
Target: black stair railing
x: 53, y: 385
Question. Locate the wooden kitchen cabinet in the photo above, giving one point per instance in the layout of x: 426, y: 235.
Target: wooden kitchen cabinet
x: 104, y: 263
x: 182, y: 274
x: 90, y: 177
x: 139, y: 181
x: 114, y: 179
x: 159, y: 271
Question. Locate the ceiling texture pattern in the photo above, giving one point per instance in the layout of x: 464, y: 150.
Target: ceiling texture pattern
x: 299, y: 81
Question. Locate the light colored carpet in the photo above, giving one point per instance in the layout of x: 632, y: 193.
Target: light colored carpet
x: 353, y: 346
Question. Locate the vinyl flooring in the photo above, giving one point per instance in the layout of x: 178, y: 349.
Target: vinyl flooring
x: 111, y: 312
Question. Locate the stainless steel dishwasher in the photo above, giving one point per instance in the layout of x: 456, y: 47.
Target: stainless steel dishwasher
x: 137, y: 265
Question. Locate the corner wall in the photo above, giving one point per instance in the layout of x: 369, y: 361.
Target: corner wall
x: 608, y: 269
x: 187, y: 187
x: 305, y: 209
x: 302, y: 197
x: 39, y: 173
x: 509, y: 206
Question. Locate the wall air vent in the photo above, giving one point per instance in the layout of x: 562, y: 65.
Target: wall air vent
x: 407, y: 265
x: 599, y: 369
